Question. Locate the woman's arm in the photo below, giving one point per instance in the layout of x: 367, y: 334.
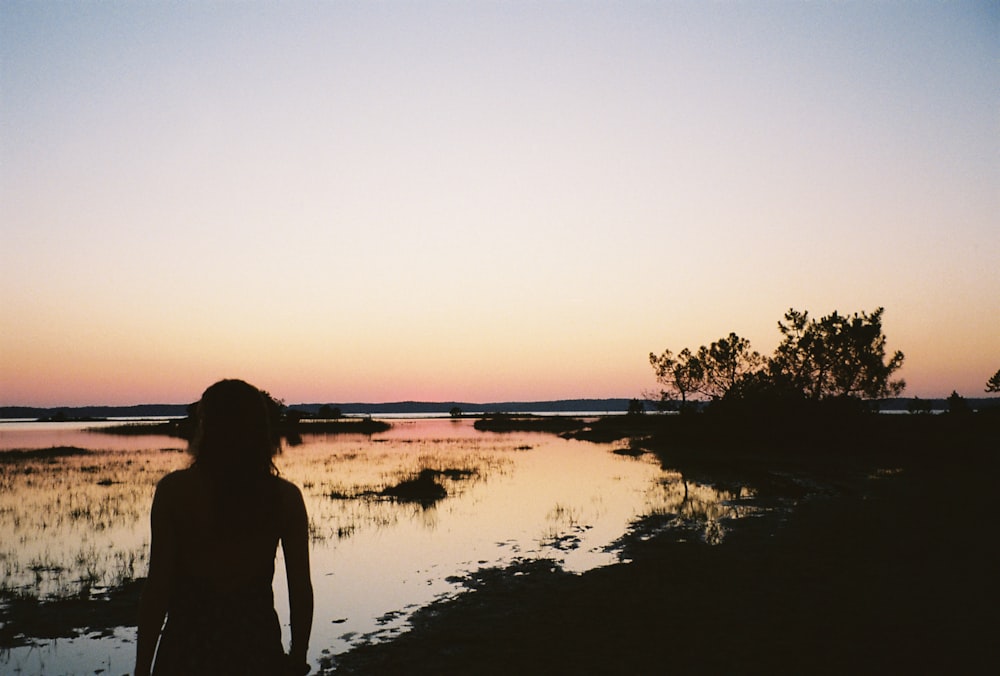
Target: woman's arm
x: 153, y: 604
x: 295, y: 545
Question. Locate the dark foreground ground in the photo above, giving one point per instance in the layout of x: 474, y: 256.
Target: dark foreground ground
x: 886, y: 565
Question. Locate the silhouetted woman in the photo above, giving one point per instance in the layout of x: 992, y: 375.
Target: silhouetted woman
x: 215, y: 531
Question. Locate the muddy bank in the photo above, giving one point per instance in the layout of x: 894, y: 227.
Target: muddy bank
x: 25, y: 620
x: 885, y: 569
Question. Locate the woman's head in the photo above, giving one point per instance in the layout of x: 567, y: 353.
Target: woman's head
x: 233, y: 434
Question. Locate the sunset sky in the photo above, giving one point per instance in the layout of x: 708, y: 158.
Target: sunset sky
x: 485, y: 201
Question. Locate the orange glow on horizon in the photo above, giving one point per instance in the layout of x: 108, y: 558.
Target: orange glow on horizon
x: 502, y: 205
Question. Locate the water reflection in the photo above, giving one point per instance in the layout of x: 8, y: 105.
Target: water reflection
x: 73, y: 521
x: 699, y: 508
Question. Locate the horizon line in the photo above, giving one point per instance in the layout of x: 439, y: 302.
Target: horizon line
x: 984, y: 395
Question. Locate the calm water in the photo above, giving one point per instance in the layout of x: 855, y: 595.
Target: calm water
x: 82, y: 521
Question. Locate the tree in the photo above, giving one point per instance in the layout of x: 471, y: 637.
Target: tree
x: 680, y: 376
x: 836, y: 357
x: 329, y: 412
x: 455, y: 412
x: 993, y: 384
x: 636, y: 407
x: 275, y: 408
x: 841, y: 359
x: 725, y: 363
x: 957, y: 404
x: 791, y: 362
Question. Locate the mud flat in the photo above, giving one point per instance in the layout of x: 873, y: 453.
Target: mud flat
x: 882, y: 567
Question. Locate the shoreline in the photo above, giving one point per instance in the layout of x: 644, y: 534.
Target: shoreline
x: 868, y: 574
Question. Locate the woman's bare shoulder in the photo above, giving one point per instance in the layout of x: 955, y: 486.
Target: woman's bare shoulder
x: 287, y: 490
x: 290, y: 499
x: 177, y: 481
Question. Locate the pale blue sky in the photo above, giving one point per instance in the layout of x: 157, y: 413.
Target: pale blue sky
x: 485, y: 201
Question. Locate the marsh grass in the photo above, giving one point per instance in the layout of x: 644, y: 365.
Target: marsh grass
x: 180, y: 429
x: 73, y: 522
x: 508, y: 422
x: 16, y: 455
x: 356, y: 488
x: 184, y: 428
x: 343, y: 426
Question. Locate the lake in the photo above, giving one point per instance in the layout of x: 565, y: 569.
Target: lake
x: 72, y: 524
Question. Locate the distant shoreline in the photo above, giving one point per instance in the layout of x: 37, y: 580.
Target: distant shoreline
x: 594, y: 406
x: 611, y: 405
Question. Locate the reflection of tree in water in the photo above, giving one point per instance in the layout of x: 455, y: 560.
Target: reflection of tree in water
x: 697, y: 506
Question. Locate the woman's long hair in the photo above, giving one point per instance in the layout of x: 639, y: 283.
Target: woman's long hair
x: 234, y: 445
x: 233, y: 435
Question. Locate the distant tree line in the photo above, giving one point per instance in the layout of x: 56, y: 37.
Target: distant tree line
x: 835, y: 360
